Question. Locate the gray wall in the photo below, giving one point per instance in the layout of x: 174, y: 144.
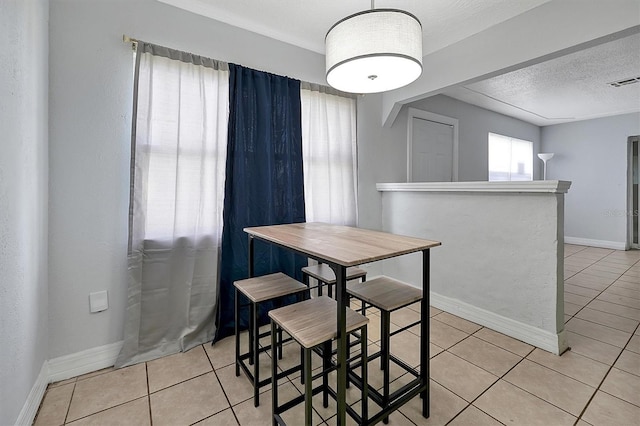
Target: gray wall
x: 382, y: 152
x: 23, y: 200
x: 592, y: 154
x: 90, y: 105
x: 475, y: 124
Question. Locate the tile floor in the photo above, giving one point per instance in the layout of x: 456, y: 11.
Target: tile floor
x: 479, y: 377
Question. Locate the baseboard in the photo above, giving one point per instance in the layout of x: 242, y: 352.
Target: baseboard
x: 83, y: 362
x: 615, y: 245
x: 30, y: 408
x: 551, y: 342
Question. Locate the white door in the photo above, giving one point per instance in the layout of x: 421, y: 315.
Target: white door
x: 431, y: 151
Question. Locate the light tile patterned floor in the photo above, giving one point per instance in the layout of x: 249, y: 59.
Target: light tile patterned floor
x: 478, y: 376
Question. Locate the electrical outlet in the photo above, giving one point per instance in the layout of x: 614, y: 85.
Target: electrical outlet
x: 98, y: 301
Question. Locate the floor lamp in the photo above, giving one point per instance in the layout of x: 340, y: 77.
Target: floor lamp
x: 545, y: 156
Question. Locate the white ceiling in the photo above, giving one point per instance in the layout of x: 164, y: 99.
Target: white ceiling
x: 305, y: 23
x: 569, y: 88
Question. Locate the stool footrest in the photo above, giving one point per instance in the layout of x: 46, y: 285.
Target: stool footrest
x: 405, y: 328
x: 295, y: 401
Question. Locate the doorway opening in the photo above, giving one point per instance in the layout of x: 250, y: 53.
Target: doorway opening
x: 633, y: 189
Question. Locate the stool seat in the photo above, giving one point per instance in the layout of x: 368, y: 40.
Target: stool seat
x: 267, y: 287
x: 313, y: 321
x: 260, y: 289
x: 385, y: 293
x: 389, y: 295
x: 324, y: 273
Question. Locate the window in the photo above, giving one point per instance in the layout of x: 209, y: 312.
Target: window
x: 510, y: 158
x: 181, y: 139
x: 329, y: 157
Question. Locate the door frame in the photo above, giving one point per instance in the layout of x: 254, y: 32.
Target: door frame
x: 630, y: 141
x: 436, y: 118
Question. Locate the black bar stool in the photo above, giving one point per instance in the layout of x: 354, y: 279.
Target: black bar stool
x: 389, y: 295
x: 259, y: 290
x: 325, y: 276
x: 312, y: 324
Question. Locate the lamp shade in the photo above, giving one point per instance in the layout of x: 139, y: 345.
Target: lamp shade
x: 545, y: 156
x: 374, y: 51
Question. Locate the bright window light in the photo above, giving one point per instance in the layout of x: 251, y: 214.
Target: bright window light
x: 510, y: 159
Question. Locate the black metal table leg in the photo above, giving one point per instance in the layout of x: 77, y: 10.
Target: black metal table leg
x: 425, y: 332
x: 236, y: 318
x: 343, y: 341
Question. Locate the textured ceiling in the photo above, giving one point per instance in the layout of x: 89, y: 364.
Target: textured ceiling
x: 569, y: 88
x: 304, y: 23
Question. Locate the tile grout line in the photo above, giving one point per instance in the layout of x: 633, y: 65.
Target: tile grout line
x: 107, y: 409
x: 596, y: 297
x: 487, y: 389
x: 573, y: 275
x: 482, y: 368
x: 605, y: 378
x: 146, y: 370
x: 224, y: 392
x: 66, y: 415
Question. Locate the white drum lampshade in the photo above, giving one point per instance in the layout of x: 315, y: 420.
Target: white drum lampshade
x: 374, y: 51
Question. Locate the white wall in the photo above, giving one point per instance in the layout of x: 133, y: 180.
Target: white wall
x: 593, y: 155
x: 490, y: 268
x: 90, y: 106
x: 23, y: 200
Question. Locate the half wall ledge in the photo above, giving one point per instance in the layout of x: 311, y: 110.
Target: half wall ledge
x: 501, y: 263
x: 544, y: 186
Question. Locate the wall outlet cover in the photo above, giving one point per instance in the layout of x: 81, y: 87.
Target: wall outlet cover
x: 98, y: 301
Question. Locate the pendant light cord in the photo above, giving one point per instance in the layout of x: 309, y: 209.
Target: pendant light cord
x: 373, y: 6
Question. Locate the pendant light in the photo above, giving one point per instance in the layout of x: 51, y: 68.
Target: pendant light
x: 374, y: 51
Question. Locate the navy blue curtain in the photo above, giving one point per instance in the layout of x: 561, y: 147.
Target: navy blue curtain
x: 264, y: 180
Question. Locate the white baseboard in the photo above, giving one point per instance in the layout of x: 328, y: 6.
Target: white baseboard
x: 83, y: 362
x: 30, y: 408
x: 614, y: 245
x: 551, y: 342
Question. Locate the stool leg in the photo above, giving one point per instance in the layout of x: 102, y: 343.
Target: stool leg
x: 320, y: 284
x: 251, y: 332
x: 364, y: 304
x: 256, y: 354
x: 302, y: 364
x: 236, y: 318
x: 305, y: 279
x: 274, y: 378
x: 278, y: 348
x: 308, y: 388
x: 384, y: 358
x: 326, y: 363
x: 365, y: 383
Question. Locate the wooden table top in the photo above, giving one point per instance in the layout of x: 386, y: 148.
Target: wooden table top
x: 344, y: 245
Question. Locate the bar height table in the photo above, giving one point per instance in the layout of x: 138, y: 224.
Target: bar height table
x: 341, y: 247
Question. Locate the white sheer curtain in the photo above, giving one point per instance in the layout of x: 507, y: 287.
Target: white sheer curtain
x: 329, y: 155
x: 178, y: 171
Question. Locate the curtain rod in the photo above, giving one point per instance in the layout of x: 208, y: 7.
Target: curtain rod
x: 319, y: 87
x: 127, y: 39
